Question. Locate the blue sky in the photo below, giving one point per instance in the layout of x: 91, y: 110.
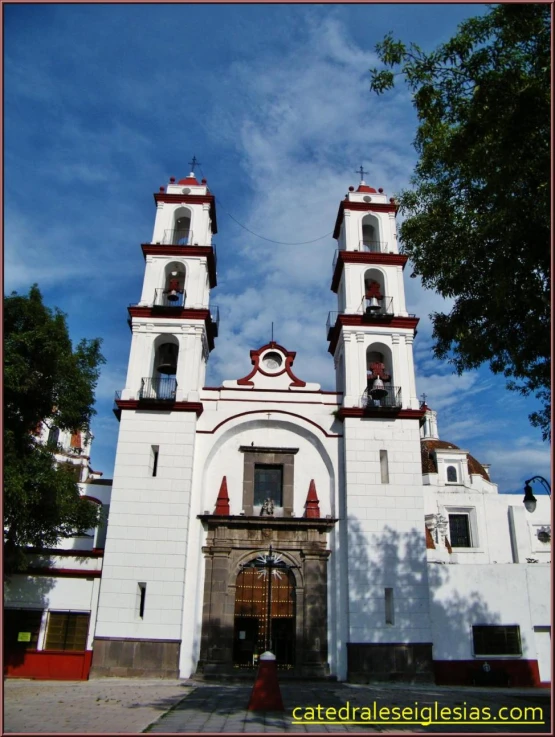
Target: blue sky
x: 103, y: 103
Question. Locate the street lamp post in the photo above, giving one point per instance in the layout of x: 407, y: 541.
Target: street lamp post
x: 530, y: 500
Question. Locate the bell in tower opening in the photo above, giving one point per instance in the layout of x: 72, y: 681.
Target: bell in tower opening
x: 166, y: 362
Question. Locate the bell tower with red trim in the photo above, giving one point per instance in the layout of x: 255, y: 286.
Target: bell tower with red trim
x: 173, y: 331
x: 371, y: 337
x: 371, y: 326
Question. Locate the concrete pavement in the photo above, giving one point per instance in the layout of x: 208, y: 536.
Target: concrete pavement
x: 124, y: 705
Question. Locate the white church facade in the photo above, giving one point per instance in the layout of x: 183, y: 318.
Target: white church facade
x: 334, y: 528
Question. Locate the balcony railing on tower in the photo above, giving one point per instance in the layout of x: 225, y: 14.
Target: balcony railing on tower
x: 375, y: 307
x: 390, y: 398
x: 215, y: 319
x: 169, y: 298
x: 160, y: 389
x: 373, y: 246
x: 177, y: 237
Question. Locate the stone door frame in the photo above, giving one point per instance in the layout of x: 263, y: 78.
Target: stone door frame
x: 233, y: 540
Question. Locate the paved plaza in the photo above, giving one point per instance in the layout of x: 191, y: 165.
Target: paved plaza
x: 124, y: 705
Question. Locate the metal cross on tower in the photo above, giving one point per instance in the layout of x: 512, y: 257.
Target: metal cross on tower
x: 361, y: 172
x: 194, y: 163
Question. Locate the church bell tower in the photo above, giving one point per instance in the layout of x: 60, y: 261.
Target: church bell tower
x: 173, y: 329
x: 371, y: 337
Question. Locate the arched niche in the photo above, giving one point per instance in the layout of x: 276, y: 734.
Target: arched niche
x: 375, y: 291
x: 370, y: 236
x: 182, y: 220
x: 161, y: 383
x: 379, y: 353
x: 173, y: 289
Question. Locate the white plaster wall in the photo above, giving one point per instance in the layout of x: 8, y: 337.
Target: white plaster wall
x: 217, y: 454
x: 53, y: 594
x: 462, y: 596
x: 506, y: 532
x: 149, y: 520
x: 197, y: 291
x: 191, y: 364
x: 385, y: 525
x: 200, y: 217
x: 356, y: 342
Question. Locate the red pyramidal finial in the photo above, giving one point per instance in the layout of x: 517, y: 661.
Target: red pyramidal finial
x: 312, y: 505
x: 222, y: 502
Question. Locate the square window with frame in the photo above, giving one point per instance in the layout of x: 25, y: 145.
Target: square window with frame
x: 268, y: 484
x: 460, y: 530
x: 496, y: 639
x: 67, y: 631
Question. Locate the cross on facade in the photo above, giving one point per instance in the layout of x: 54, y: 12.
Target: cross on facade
x: 194, y: 163
x: 361, y: 172
x: 424, y: 397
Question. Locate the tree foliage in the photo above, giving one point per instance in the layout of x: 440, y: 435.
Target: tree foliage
x: 477, y: 221
x: 45, y: 379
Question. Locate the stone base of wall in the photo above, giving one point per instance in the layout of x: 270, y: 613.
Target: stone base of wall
x: 390, y: 662
x: 128, y: 658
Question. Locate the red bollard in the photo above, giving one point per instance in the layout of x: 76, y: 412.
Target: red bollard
x: 266, y: 695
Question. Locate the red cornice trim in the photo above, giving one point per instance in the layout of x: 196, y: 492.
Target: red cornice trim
x: 273, y: 401
x: 63, y: 572
x: 255, y: 360
x: 396, y: 321
x: 177, y: 314
x: 191, y: 199
x: 160, y: 406
x: 158, y: 249
x: 91, y: 499
x: 401, y: 414
x: 282, y: 391
x: 265, y: 412
x: 365, y: 257
x: 94, y: 553
x: 367, y: 206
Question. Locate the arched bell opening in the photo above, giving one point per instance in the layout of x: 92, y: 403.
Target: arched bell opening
x: 380, y: 391
x: 264, y: 615
x: 370, y: 234
x: 162, y: 383
x: 173, y: 292
x: 375, y: 300
x: 182, y: 234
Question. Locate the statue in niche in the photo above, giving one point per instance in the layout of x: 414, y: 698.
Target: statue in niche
x: 267, y: 508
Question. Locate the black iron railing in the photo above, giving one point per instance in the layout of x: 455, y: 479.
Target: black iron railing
x: 161, y: 389
x: 383, y: 306
x: 117, y: 397
x: 215, y: 318
x: 169, y: 298
x: 391, y: 398
x: 373, y: 246
x: 177, y: 237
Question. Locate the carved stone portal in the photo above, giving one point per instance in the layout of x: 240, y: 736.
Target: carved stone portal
x: 235, y: 610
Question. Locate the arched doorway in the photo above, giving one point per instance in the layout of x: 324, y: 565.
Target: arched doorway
x: 265, y: 615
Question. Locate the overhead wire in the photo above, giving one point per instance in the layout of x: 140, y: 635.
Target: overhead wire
x: 257, y: 235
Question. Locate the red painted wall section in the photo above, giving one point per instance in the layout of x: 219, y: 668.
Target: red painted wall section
x: 521, y: 673
x: 49, y: 665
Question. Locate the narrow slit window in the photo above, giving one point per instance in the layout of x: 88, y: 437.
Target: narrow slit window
x: 384, y: 467
x: 389, y: 613
x: 142, y: 599
x: 154, y: 453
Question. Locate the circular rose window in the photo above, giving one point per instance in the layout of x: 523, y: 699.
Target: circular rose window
x: 272, y: 361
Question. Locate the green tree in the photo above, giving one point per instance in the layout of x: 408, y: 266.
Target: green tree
x: 45, y: 379
x: 477, y: 221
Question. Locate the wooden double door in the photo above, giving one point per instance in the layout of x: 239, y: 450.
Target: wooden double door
x: 264, y: 617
